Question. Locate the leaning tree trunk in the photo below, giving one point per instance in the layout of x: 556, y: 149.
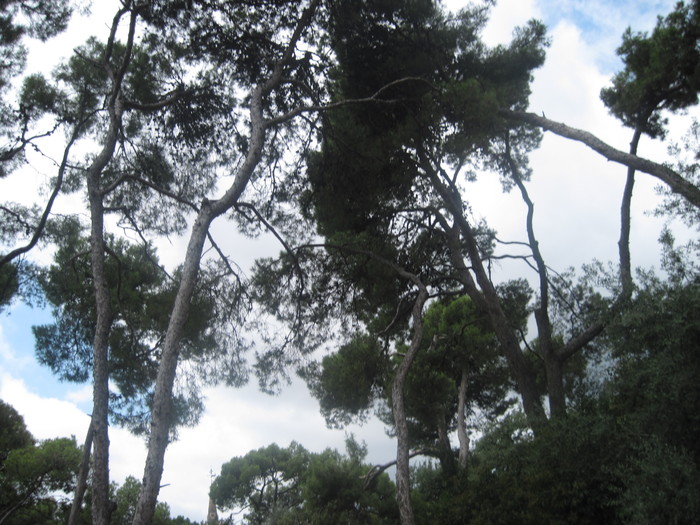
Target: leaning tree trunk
x: 403, y: 482
x: 674, y: 180
x: 486, y: 299
x: 161, y: 410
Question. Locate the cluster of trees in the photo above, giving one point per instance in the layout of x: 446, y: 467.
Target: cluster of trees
x: 348, y: 131
x: 38, y: 478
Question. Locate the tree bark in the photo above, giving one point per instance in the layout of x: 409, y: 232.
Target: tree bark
x: 462, y: 434
x: 447, y: 460
x: 103, y: 323
x: 403, y: 481
x: 626, y: 280
x: 101, y: 508
x: 486, y: 299
x: 81, y: 484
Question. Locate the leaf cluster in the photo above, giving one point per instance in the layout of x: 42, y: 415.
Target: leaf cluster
x: 651, y: 82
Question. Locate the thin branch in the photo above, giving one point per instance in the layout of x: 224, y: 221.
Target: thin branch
x: 224, y: 258
x: 169, y: 99
x: 334, y: 105
x: 47, y: 209
x: 376, y: 470
x: 277, y: 235
x: 154, y: 187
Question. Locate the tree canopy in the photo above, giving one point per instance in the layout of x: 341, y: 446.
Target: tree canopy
x: 350, y: 133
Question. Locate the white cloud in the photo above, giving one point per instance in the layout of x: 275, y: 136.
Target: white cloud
x: 45, y: 417
x: 506, y: 16
x: 80, y: 395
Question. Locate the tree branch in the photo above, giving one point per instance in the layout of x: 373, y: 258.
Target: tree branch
x: 334, y: 105
x: 677, y: 183
x: 376, y: 470
x: 47, y: 210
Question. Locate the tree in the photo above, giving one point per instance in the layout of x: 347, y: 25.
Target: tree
x: 292, y: 485
x: 265, y: 483
x: 21, y: 126
x: 126, y: 496
x: 13, y: 431
x: 33, y: 475
x: 456, y: 373
x: 648, y: 84
x: 140, y: 291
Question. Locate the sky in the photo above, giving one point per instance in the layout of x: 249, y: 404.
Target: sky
x: 576, y: 194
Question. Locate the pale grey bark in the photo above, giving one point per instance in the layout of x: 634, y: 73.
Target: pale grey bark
x: 101, y: 509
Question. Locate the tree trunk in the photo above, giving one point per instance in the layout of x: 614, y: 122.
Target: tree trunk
x: 161, y: 410
x: 554, y: 368
x: 403, y: 481
x: 447, y: 460
x: 100, y: 366
x: 462, y: 434
x: 81, y: 484
x: 487, y: 300
x: 626, y: 280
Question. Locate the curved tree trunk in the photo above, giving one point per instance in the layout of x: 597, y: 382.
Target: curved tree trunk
x: 626, y: 280
x: 675, y: 182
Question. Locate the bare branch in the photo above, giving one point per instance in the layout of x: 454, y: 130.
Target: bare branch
x: 274, y: 232
x: 376, y: 470
x: 334, y: 105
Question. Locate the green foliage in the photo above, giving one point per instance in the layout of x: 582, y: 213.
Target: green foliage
x: 36, y: 479
x: 141, y: 296
x: 40, y: 19
x: 126, y: 497
x: 686, y: 162
x: 13, y: 431
x: 9, y: 284
x: 625, y: 453
x: 264, y: 481
x: 334, y: 492
x: 660, y: 484
x: 350, y: 380
x: 656, y: 343
x: 291, y: 485
x: 457, y: 343
x: 653, y: 81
